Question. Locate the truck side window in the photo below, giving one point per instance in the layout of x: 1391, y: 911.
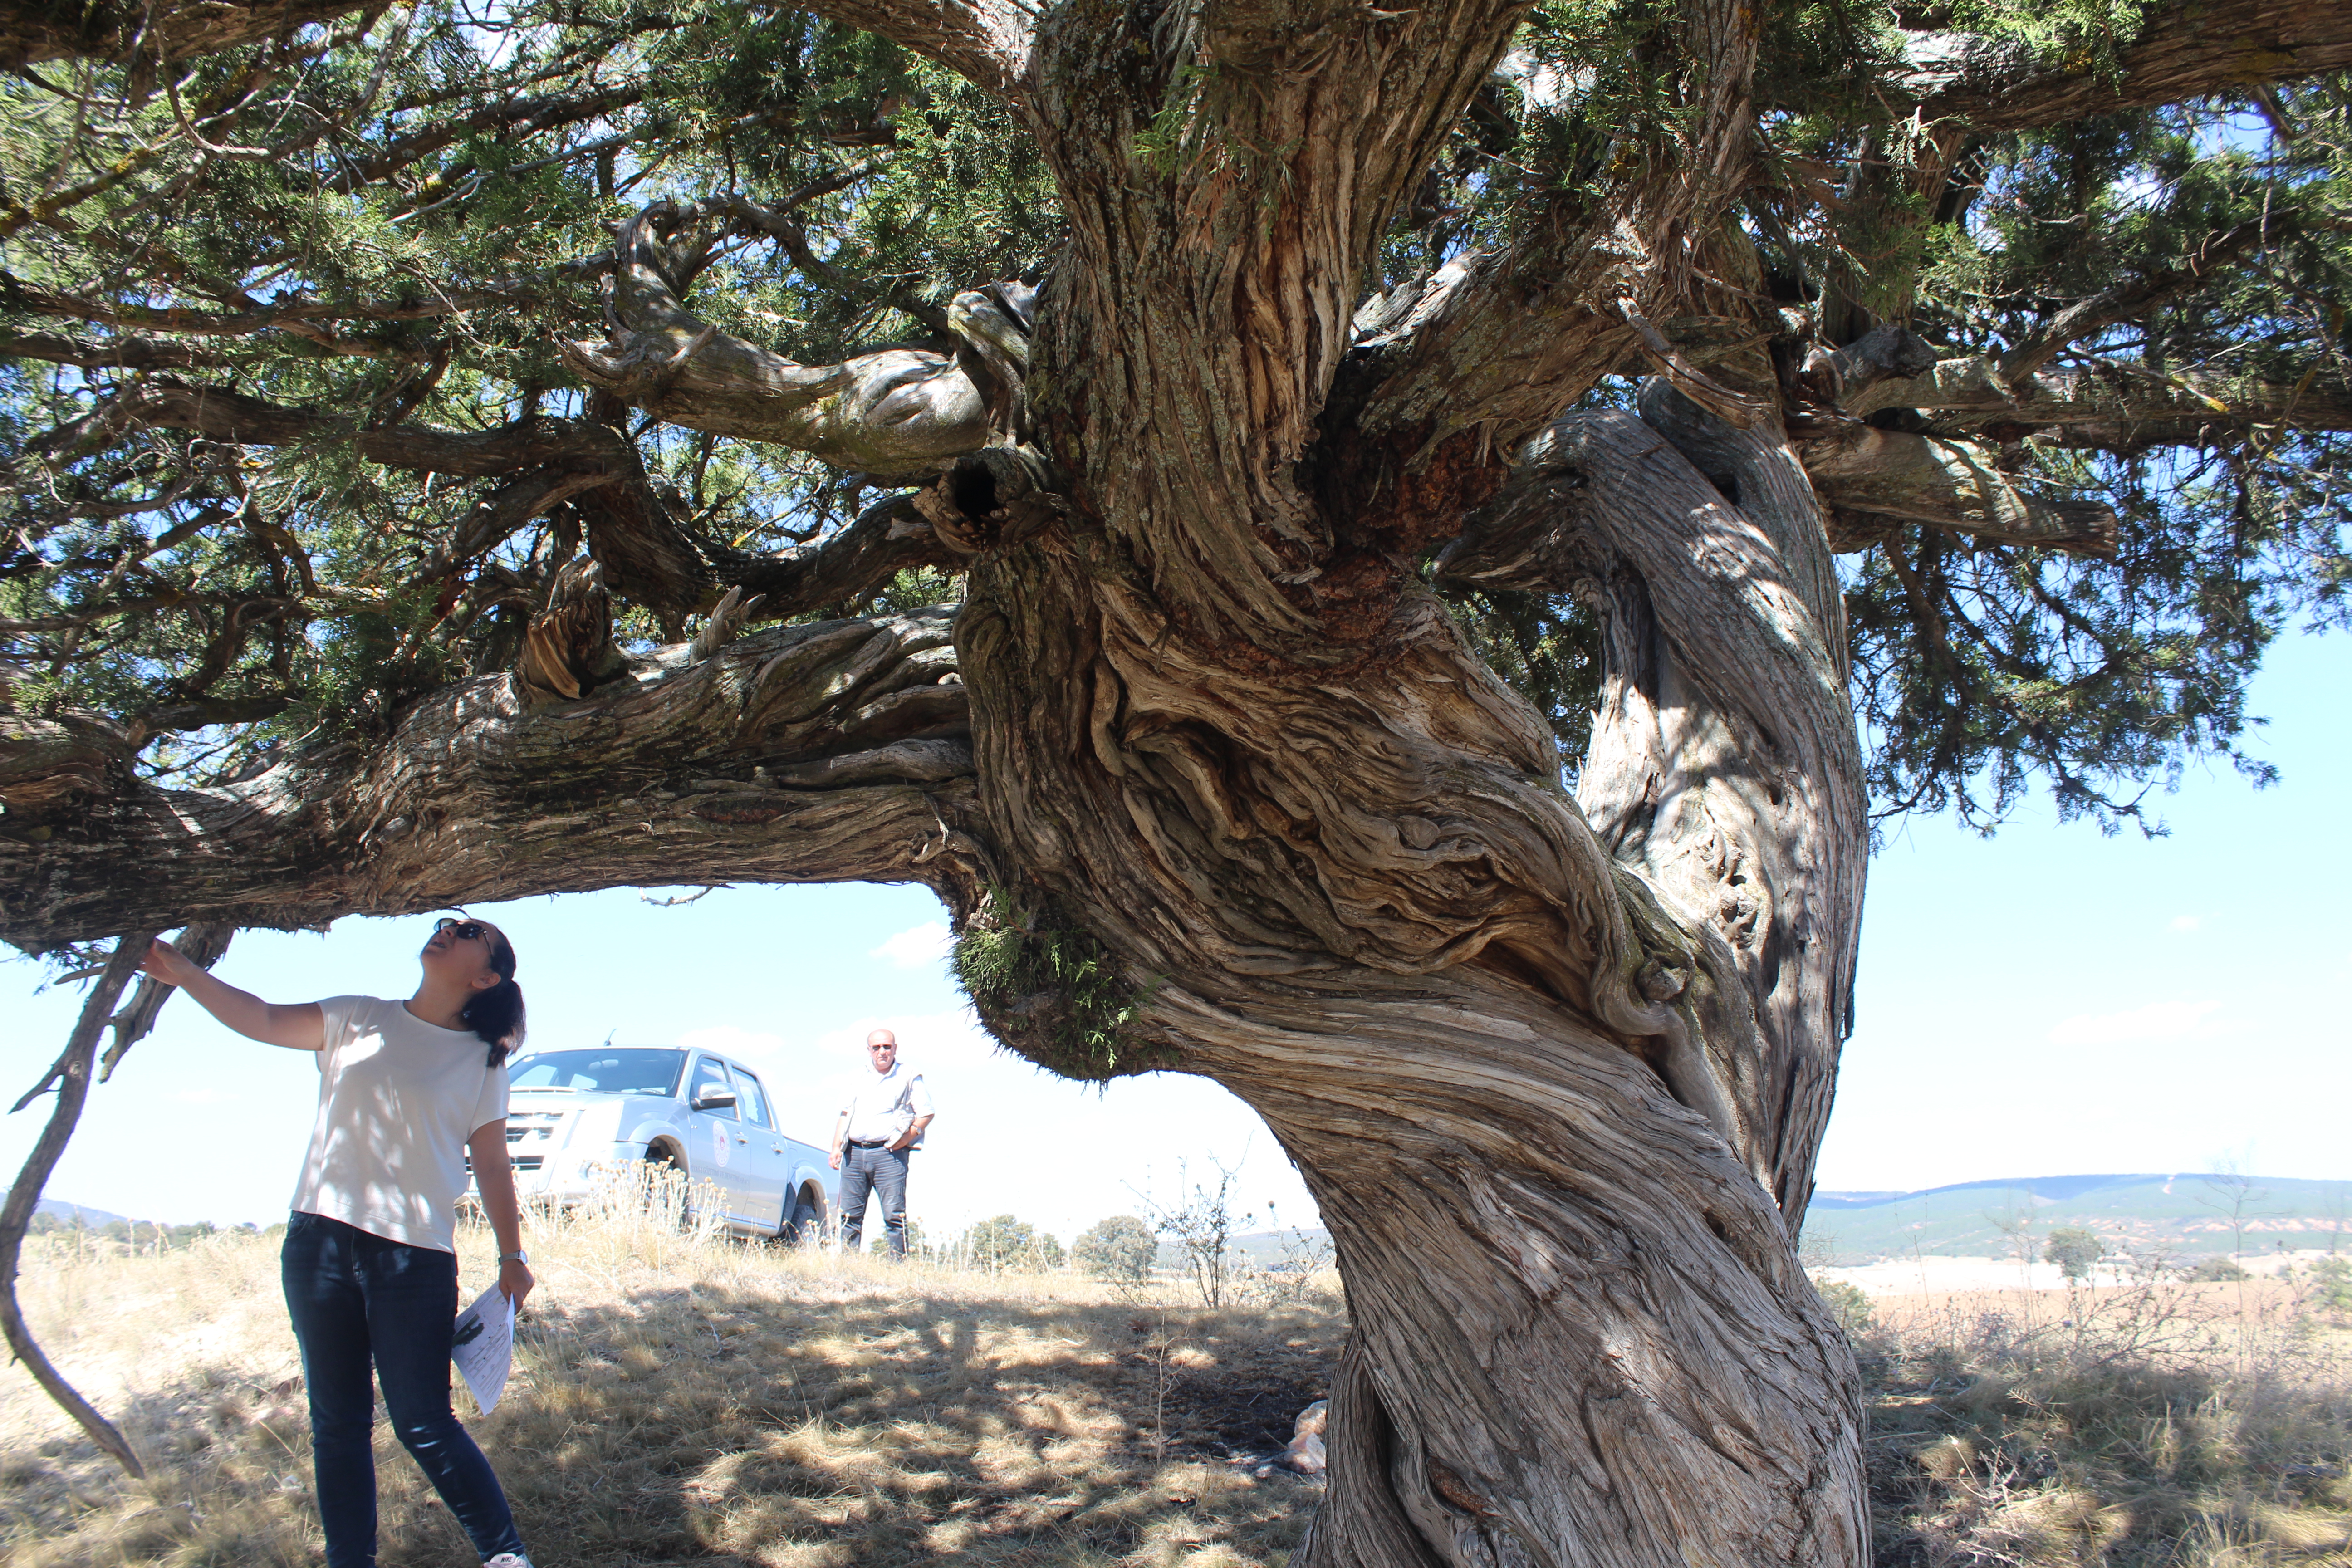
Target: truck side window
x: 755, y: 1104
x: 711, y: 1074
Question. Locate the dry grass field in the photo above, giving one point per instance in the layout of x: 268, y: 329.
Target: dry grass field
x: 681, y: 1399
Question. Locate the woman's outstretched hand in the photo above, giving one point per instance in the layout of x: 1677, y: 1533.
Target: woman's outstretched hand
x: 167, y: 963
x: 298, y: 1026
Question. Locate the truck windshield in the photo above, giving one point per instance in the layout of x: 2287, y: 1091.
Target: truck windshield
x: 637, y: 1071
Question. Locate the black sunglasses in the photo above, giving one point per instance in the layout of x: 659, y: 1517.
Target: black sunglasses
x: 465, y: 931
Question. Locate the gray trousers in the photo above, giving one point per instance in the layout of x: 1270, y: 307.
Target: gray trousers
x: 883, y: 1173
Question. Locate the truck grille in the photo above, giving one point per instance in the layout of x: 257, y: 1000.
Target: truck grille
x: 520, y: 1161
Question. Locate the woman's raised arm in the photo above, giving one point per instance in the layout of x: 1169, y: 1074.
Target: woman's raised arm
x: 297, y: 1026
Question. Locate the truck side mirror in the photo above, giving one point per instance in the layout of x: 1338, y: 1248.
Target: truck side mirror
x: 715, y: 1099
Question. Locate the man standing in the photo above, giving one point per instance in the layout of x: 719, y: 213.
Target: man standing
x: 881, y: 1123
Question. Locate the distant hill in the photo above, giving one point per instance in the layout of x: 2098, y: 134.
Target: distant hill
x: 65, y: 1211
x: 2182, y: 1212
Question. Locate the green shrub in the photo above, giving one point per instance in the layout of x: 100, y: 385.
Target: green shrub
x: 1046, y: 988
x: 2075, y: 1250
x: 1849, y: 1304
x: 2206, y: 1270
x: 1118, y: 1249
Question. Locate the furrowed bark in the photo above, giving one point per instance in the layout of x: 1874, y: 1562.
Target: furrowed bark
x: 1724, y: 764
x: 71, y: 1077
x: 836, y: 750
x: 1226, y: 269
x: 1545, y: 1095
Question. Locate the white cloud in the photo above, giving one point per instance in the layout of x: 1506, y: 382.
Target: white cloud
x: 916, y: 947
x: 2186, y: 922
x: 2156, y: 1021
x: 206, y: 1097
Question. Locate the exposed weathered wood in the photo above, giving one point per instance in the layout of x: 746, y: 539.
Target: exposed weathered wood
x: 1724, y: 762
x: 1954, y: 485
x: 983, y: 41
x: 897, y: 412
x: 2123, y: 408
x: 71, y: 1077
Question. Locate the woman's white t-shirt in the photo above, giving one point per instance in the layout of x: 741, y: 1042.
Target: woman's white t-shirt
x: 397, y: 1099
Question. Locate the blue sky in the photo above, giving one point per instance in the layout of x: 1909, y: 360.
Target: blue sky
x: 2045, y: 1001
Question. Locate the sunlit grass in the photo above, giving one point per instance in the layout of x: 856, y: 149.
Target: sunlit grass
x: 681, y: 1397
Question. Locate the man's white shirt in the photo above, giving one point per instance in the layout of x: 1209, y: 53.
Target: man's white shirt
x: 881, y: 1106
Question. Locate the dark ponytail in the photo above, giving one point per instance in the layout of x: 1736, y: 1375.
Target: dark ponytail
x: 496, y: 1014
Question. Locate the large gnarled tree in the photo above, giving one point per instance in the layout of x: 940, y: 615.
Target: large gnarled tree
x: 1388, y: 556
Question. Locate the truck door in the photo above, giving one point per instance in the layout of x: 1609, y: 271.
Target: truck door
x: 771, y: 1168
x: 719, y: 1149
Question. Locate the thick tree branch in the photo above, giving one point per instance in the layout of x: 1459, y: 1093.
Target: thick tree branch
x: 896, y: 412
x: 1953, y: 485
x: 134, y: 352
x: 2185, y: 48
x: 888, y: 537
x: 170, y: 31
x: 1725, y: 766
x: 834, y: 751
x: 986, y: 42
x: 2114, y: 406
x: 545, y: 462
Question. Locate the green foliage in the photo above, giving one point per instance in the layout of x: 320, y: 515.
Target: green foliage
x: 1848, y: 1303
x: 1119, y: 1248
x: 436, y: 207
x: 1009, y: 1243
x: 1549, y: 649
x: 2216, y: 1269
x: 1046, y: 986
x: 2074, y: 1249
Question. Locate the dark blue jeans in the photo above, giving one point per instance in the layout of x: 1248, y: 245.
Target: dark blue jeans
x: 360, y: 1301
x: 882, y: 1172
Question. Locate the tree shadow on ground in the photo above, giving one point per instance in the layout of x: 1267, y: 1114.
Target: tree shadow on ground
x: 905, y: 1428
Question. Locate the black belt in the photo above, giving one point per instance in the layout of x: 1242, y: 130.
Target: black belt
x: 877, y: 1143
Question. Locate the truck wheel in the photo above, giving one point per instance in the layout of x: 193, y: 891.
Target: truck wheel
x: 805, y: 1224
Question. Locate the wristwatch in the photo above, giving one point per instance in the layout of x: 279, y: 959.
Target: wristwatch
x: 522, y: 1257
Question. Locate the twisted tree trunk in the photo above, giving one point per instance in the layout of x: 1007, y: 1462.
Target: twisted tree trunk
x: 1546, y: 1082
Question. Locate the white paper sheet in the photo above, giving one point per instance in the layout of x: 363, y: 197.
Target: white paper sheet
x: 484, y: 1347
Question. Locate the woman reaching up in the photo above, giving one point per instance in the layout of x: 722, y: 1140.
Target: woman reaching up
x: 405, y: 1089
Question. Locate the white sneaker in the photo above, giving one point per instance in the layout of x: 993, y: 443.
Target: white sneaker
x: 508, y: 1560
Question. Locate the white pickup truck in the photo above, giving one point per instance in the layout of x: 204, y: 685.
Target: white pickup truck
x: 573, y: 1114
